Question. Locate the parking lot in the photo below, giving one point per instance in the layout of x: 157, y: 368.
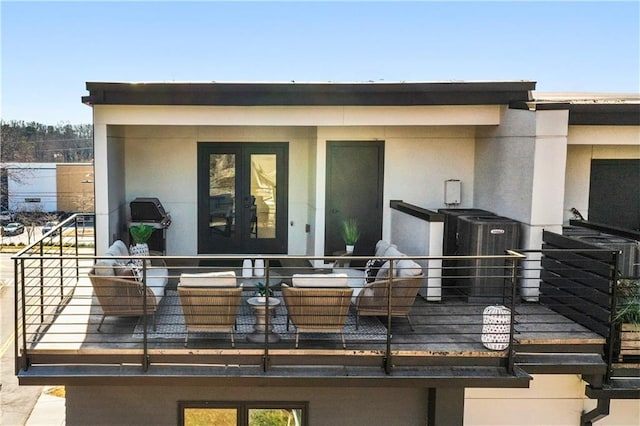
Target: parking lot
x: 85, y: 235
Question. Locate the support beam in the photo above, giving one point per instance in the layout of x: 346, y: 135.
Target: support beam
x: 446, y: 407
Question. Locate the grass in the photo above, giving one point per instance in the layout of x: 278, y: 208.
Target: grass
x: 58, y: 391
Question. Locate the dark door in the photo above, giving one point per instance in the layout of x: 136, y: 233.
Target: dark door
x: 354, y: 190
x: 614, y: 197
x: 242, y: 198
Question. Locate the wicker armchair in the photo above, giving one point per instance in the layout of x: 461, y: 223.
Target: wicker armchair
x: 210, y: 309
x: 373, y: 299
x: 317, y: 310
x: 123, y: 297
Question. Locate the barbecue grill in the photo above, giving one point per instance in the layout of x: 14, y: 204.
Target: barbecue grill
x: 149, y: 211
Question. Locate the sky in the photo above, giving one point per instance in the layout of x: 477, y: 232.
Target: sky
x: 51, y: 49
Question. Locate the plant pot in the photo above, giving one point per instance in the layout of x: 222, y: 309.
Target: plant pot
x: 349, y: 248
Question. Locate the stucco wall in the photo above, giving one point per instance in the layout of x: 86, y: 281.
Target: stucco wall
x: 504, y: 166
x: 550, y: 400
x: 432, y: 143
x: 418, y: 159
x: 157, y: 405
x: 160, y: 161
x: 115, y: 188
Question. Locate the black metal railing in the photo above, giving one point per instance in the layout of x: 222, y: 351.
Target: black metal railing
x: 151, y: 323
x: 75, y: 308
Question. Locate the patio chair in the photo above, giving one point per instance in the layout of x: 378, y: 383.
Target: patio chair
x: 317, y: 309
x: 123, y: 297
x: 210, y: 303
x: 373, y: 299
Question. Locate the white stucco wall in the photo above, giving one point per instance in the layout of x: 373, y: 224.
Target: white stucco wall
x: 32, y: 181
x: 514, y: 169
x: 550, y: 400
x: 161, y: 162
x: 417, y: 161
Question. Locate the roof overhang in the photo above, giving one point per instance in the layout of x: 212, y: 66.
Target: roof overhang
x: 589, y: 109
x: 309, y: 94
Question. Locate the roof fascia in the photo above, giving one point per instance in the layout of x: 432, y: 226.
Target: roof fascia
x: 308, y: 94
x: 591, y: 114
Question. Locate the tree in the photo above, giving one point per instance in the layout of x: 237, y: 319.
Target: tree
x: 35, y: 142
x: 33, y: 218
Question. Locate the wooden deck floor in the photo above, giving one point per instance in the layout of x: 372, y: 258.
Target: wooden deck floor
x: 449, y: 328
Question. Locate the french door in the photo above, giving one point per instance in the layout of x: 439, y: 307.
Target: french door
x: 242, y: 198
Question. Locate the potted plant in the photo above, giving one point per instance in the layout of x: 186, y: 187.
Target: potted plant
x: 628, y: 316
x: 140, y: 234
x: 262, y: 291
x: 350, y: 233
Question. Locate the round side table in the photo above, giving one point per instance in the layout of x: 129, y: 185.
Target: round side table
x: 261, y: 310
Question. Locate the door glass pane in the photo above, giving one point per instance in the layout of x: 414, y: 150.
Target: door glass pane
x: 275, y: 417
x: 222, y: 193
x: 210, y: 416
x: 263, y: 196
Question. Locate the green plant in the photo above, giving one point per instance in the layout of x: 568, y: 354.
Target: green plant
x: 141, y: 233
x: 350, y: 231
x: 628, y: 301
x: 262, y: 290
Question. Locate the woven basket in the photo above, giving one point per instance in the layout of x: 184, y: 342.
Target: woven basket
x: 495, y: 327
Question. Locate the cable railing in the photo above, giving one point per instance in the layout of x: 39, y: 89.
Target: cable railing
x: 78, y: 309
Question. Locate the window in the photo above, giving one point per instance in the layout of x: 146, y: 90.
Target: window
x: 196, y: 413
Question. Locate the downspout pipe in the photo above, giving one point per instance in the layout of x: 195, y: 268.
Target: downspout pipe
x: 601, y: 411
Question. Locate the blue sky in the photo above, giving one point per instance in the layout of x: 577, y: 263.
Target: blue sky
x: 50, y: 49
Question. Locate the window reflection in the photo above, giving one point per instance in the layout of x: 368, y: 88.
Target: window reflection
x: 222, y: 193
x: 263, y: 193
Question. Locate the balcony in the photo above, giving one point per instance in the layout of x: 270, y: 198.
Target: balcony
x: 63, y: 337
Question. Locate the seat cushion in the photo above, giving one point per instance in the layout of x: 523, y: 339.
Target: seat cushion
x: 320, y: 280
x: 209, y: 279
x: 157, y: 279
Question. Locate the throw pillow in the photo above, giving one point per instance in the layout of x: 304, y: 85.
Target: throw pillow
x: 371, y: 269
x: 140, y: 250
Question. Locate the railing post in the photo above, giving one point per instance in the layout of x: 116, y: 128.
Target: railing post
x: 76, y: 245
x: 613, y: 328
x: 145, y: 348
x: 61, y: 253
x: 388, y: 364
x: 23, y: 307
x: 41, y: 283
x: 512, y: 309
x: 267, y: 313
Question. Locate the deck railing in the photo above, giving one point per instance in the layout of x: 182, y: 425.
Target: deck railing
x: 59, y: 318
